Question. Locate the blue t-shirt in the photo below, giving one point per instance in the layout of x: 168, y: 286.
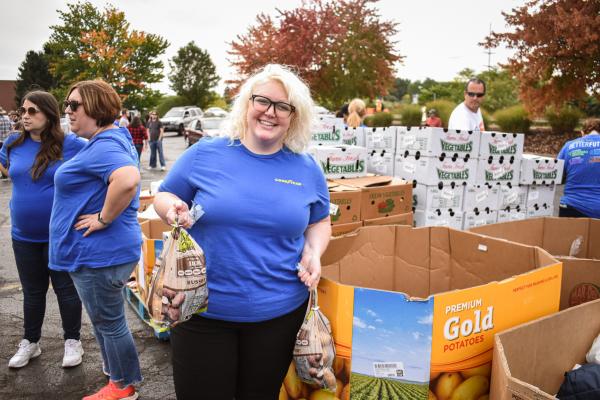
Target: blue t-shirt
x: 256, y: 210
x: 81, y: 186
x: 582, y: 170
x: 31, y: 201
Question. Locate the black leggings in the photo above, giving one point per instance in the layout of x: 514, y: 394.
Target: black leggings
x: 216, y: 360
x: 570, y: 212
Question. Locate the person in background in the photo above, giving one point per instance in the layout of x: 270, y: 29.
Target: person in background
x: 156, y: 132
x: 467, y: 115
x: 13, y: 116
x: 343, y: 112
x: 31, y: 157
x: 357, y: 111
x: 124, y: 120
x: 433, y: 119
x: 379, y: 107
x: 262, y: 253
x: 94, y: 233
x: 139, y: 134
x: 5, y: 126
x: 581, y: 173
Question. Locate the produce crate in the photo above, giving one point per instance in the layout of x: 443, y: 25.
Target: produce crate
x: 133, y: 298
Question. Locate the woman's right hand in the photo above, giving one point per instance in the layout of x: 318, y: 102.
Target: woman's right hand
x: 179, y: 210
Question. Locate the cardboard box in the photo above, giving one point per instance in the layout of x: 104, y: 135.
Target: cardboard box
x: 501, y: 170
x: 341, y: 161
x: 580, y: 281
x: 435, y: 142
x: 511, y: 214
x: 380, y: 162
x: 382, y: 196
x: 414, y: 303
x: 441, y: 217
x: 512, y: 196
x: 478, y: 218
x: 381, y: 138
x: 540, y: 195
x: 435, y: 170
x: 539, y: 211
x: 326, y: 131
x: 577, y: 237
x: 353, y: 136
x: 146, y: 199
x: 152, y: 243
x: 341, y: 229
x: 346, y: 200
x: 400, y: 219
x: 434, y: 197
x: 530, y: 360
x: 541, y: 170
x: 481, y: 197
x: 501, y: 144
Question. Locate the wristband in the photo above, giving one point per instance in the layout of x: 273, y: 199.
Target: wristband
x: 103, y: 222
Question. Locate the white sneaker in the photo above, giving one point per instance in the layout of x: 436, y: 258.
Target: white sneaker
x: 105, y: 370
x: 73, y: 353
x: 26, y: 352
x: 150, y: 168
x: 163, y: 168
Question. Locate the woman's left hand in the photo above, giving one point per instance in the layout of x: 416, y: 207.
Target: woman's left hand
x: 310, y: 268
x: 89, y: 222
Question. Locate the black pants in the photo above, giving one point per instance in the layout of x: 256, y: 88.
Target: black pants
x: 139, y: 148
x: 570, y: 212
x: 32, y: 265
x: 217, y: 360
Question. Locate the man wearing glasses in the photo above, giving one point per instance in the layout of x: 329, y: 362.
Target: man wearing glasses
x: 467, y: 115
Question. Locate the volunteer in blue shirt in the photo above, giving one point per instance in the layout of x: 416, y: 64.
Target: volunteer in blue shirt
x: 31, y: 157
x: 94, y: 233
x: 582, y: 173
x: 266, y: 209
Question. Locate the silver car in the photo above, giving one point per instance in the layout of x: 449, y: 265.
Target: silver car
x: 177, y: 118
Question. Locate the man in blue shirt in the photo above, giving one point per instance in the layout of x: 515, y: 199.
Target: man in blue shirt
x: 582, y: 173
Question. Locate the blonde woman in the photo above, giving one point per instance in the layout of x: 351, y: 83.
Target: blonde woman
x: 266, y: 210
x: 357, y: 111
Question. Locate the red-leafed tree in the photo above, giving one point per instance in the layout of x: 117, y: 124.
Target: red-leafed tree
x: 557, y: 50
x: 341, y: 48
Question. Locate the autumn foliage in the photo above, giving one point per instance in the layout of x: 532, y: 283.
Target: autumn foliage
x: 341, y: 48
x: 557, y: 51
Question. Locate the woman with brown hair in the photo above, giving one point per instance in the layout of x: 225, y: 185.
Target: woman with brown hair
x: 31, y: 158
x: 94, y: 233
x: 139, y: 135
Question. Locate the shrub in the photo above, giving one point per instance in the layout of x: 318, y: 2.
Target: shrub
x: 487, y: 118
x: 513, y: 119
x: 411, y: 115
x: 379, y: 119
x: 444, y: 109
x: 169, y: 102
x: 564, y: 120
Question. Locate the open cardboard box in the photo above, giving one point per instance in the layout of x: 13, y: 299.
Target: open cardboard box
x: 347, y: 203
x: 580, y: 281
x: 577, y: 237
x: 152, y: 241
x: 408, y: 305
x: 530, y: 360
x: 400, y: 219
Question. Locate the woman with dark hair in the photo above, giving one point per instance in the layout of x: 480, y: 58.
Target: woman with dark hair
x: 31, y: 158
x: 94, y: 233
x: 139, y: 134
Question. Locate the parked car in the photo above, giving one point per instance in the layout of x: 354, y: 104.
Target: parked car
x: 177, y: 118
x: 202, y: 127
x: 215, y: 112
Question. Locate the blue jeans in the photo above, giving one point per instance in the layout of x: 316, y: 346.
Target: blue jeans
x: 101, y: 291
x: 154, y: 147
x: 32, y: 264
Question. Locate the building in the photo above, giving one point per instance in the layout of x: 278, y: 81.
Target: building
x: 7, y: 95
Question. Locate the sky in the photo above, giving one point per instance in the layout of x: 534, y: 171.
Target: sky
x: 438, y: 38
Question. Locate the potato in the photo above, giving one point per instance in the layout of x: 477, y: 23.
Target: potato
x: 329, y: 378
x: 293, y: 384
x: 431, y: 396
x: 483, y: 370
x: 345, y: 393
x: 446, y: 384
x: 282, y: 393
x: 322, y: 395
x: 471, y: 389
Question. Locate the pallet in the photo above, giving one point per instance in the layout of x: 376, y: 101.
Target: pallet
x: 161, y: 331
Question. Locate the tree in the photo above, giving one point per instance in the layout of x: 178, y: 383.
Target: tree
x: 33, y: 74
x: 557, y: 45
x: 93, y: 44
x: 341, y: 48
x: 193, y: 74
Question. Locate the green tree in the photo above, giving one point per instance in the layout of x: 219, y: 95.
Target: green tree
x: 33, y: 74
x: 193, y: 74
x: 90, y: 44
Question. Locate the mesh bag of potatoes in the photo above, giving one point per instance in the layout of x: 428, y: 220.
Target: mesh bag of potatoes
x: 178, y: 287
x: 315, y: 350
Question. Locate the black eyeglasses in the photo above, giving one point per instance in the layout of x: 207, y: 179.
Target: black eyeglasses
x: 73, y: 104
x: 262, y: 104
x: 29, y: 110
x: 474, y: 94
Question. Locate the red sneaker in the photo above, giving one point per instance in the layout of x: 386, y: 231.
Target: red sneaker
x: 113, y: 392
